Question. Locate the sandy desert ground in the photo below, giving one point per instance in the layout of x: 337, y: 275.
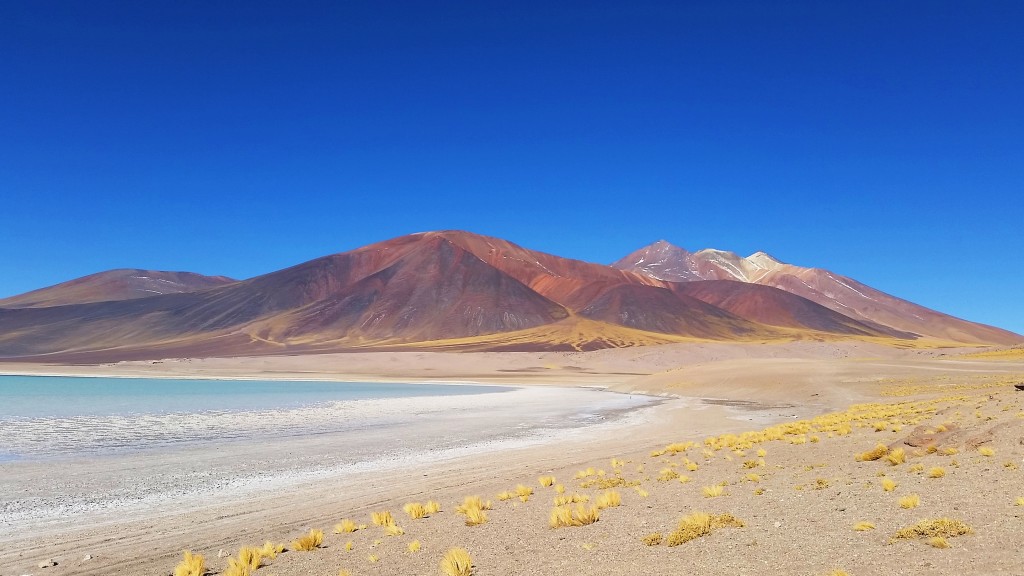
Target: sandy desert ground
x: 776, y: 429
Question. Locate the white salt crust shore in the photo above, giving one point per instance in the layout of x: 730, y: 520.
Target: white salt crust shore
x: 231, y: 456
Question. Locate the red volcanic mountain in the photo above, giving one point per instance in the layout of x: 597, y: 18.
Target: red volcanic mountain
x: 846, y: 296
x: 436, y: 290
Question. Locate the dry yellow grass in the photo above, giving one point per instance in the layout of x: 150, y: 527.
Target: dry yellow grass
x: 546, y: 481
x: 910, y: 501
x: 475, y: 517
x: 713, y: 491
x: 271, y: 550
x: 349, y: 546
x: 873, y: 454
x: 373, y: 558
x: 456, y: 562
x: 701, y: 524
x: 473, y: 502
x: 580, y: 515
x: 414, y: 546
x: 506, y: 495
x: 383, y: 518
x: 863, y: 526
x: 311, y: 541
x: 191, y: 565
x: 652, y: 539
x: 889, y: 484
x: 394, y: 530
x: 415, y: 510
x: 345, y: 526
x: 936, y: 472
x: 938, y: 542
x: 432, y: 507
x: 524, y: 492
x: 941, y: 527
x: 609, y: 499
x: 344, y: 572
x: 896, y: 457
x: 987, y: 451
x: 1019, y: 501
x: 571, y: 499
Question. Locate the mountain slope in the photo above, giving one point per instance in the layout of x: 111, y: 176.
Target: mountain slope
x: 663, y: 261
x: 123, y: 284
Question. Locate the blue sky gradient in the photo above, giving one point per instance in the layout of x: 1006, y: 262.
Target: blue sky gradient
x: 880, y: 140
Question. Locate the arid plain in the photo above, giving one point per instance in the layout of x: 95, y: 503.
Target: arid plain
x: 772, y: 434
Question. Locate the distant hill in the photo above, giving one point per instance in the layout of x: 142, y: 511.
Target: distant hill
x: 450, y: 291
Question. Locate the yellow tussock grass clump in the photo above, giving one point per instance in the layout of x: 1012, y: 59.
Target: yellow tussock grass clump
x: 761, y: 452
x: 373, y: 558
x: 839, y: 573
x: 713, y: 491
x: 571, y: 499
x: 580, y: 515
x: 546, y: 481
x: 250, y: 558
x: 191, y: 565
x: 936, y: 472
x: 750, y: 464
x: 271, y: 550
x: 349, y: 545
x: 237, y: 568
x: 683, y: 478
x: 987, y: 451
x: 911, y: 501
x: 873, y: 454
x: 473, y: 503
x: 889, y: 484
x: 896, y: 457
x: 432, y: 507
x: 310, y: 541
x: 456, y: 562
x: 949, y: 451
x: 415, y: 510
x: 692, y: 466
x: 701, y: 524
x: 383, y: 518
x: 1018, y: 502
x: 667, y: 474
x: 753, y: 478
x: 863, y: 526
x: 475, y: 517
x: 652, y: 539
x: 938, y: 542
x: 344, y: 572
x: 393, y: 530
x: 345, y: 526
x: 616, y: 463
x: 506, y: 495
x: 609, y: 499
x: 559, y: 489
x: 916, y: 468
x: 414, y: 546
x: 941, y: 527
x: 524, y: 492
x: 641, y: 492
x: 759, y: 492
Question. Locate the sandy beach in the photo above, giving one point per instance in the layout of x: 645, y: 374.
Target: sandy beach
x: 148, y: 508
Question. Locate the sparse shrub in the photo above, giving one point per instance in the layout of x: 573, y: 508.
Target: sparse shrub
x: 473, y: 502
x: 432, y: 507
x: 524, y: 492
x: 916, y: 468
x: 191, y: 565
x: 873, y: 454
x: 393, y: 530
x: 314, y: 539
x: 271, y: 550
x: 701, y: 524
x: 692, y: 466
x: 896, y: 457
x: 506, y: 495
x: 456, y: 562
x: 941, y: 527
x: 383, y: 518
x: 580, y: 515
x: 888, y: 484
x: 936, y: 472
x: 609, y: 499
x: 475, y: 517
x: 415, y: 510
x: 652, y: 539
x: 546, y: 481
x: 910, y: 501
x: 713, y: 491
x: 345, y: 526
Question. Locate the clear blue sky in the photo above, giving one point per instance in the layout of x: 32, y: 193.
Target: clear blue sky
x: 881, y: 140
